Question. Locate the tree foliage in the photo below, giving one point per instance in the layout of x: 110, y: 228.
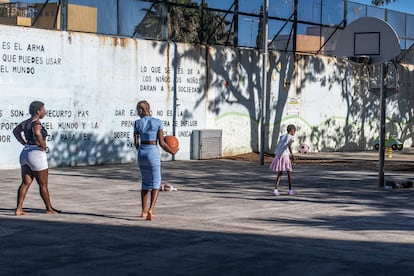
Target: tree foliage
x: 186, y: 22
x: 382, y: 2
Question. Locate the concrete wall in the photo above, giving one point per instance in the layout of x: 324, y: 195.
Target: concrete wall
x: 91, y: 84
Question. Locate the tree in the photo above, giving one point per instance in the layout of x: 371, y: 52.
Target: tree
x: 186, y: 23
x: 382, y: 2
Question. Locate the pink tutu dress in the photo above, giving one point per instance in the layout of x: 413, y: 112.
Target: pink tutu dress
x: 282, y: 162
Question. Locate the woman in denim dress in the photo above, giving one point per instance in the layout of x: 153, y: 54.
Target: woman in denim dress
x: 147, y: 134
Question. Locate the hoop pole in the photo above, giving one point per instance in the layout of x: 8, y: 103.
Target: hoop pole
x: 383, y: 94
x: 264, y: 83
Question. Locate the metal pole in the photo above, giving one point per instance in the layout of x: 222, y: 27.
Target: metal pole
x: 264, y: 84
x: 164, y: 20
x: 383, y: 94
x: 236, y: 24
x: 64, y: 15
x: 118, y: 24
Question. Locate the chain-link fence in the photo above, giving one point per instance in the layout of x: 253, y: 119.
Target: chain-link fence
x: 301, y: 26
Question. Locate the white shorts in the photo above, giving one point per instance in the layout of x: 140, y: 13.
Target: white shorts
x: 34, y: 157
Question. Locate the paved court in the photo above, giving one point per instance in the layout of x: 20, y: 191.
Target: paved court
x: 223, y: 220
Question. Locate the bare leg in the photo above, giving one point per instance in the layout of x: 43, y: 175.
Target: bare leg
x: 144, y: 202
x: 289, y: 180
x: 42, y: 179
x: 279, y: 175
x: 154, y: 196
x: 27, y: 179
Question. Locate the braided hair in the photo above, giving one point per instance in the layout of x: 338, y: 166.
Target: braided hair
x: 143, y: 108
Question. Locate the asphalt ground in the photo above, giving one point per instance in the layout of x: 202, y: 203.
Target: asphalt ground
x: 223, y: 220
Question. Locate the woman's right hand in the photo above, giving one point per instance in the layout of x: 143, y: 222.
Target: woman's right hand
x: 174, y: 152
x: 163, y: 144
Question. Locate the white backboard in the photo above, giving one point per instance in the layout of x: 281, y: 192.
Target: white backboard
x: 370, y: 37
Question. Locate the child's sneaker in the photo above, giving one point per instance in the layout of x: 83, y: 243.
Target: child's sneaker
x: 276, y: 192
x: 292, y: 192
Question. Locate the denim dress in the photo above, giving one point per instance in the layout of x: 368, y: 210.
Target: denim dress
x: 149, y: 160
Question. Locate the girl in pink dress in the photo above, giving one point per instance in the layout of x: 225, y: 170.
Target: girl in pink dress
x: 283, y: 159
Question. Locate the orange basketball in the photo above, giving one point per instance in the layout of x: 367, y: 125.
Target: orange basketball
x: 171, y: 141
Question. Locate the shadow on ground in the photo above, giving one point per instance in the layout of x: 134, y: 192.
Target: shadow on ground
x: 222, y: 221
x: 54, y: 248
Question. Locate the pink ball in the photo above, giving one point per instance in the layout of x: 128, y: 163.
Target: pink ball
x: 303, y: 148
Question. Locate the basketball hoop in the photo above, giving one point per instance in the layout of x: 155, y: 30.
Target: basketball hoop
x: 369, y: 41
x: 360, y: 59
